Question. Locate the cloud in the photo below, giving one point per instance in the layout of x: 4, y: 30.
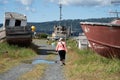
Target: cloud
x: 30, y: 9
x: 3, y: 1
x: 84, y: 2
x: 25, y: 2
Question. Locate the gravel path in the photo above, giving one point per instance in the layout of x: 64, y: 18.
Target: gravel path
x: 15, y: 72
x: 53, y: 72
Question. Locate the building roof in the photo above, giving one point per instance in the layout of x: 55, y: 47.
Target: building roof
x: 13, y: 15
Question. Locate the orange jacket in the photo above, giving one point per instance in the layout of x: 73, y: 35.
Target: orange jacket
x: 61, y: 45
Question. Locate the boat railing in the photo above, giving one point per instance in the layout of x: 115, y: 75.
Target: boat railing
x: 101, y: 24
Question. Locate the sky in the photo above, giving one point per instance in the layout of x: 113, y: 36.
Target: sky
x: 48, y: 10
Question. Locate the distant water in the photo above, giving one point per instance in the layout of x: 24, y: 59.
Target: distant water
x: 48, y: 27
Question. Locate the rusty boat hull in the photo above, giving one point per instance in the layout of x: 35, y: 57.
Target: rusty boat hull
x: 103, y: 37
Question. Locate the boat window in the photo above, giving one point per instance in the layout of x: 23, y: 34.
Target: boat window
x: 7, y: 21
x: 17, y: 23
x: 63, y: 32
x: 57, y: 28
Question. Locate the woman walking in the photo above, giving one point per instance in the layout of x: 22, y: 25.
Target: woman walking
x: 61, y: 49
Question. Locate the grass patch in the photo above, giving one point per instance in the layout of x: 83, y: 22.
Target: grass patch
x: 11, y: 55
x: 87, y: 65
x: 35, y: 73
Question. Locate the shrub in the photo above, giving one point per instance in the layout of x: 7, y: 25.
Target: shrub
x: 42, y: 35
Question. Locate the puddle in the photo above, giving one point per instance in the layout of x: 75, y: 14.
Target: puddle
x: 38, y: 61
x: 42, y: 61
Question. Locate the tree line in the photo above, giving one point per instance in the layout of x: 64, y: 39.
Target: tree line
x: 73, y: 23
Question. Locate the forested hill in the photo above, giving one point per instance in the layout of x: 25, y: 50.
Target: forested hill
x: 47, y: 27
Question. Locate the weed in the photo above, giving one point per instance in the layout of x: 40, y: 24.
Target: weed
x: 11, y: 55
x: 87, y: 65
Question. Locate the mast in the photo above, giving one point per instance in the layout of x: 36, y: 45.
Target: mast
x: 115, y: 12
x: 60, y: 6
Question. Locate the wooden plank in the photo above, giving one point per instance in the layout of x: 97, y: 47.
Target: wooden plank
x: 2, y: 34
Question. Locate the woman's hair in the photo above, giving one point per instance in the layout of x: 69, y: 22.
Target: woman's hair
x: 61, y: 39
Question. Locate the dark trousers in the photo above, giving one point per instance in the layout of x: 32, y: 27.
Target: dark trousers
x: 62, y: 54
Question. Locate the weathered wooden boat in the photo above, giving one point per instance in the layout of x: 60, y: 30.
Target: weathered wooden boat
x: 103, y: 37
x: 16, y: 28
